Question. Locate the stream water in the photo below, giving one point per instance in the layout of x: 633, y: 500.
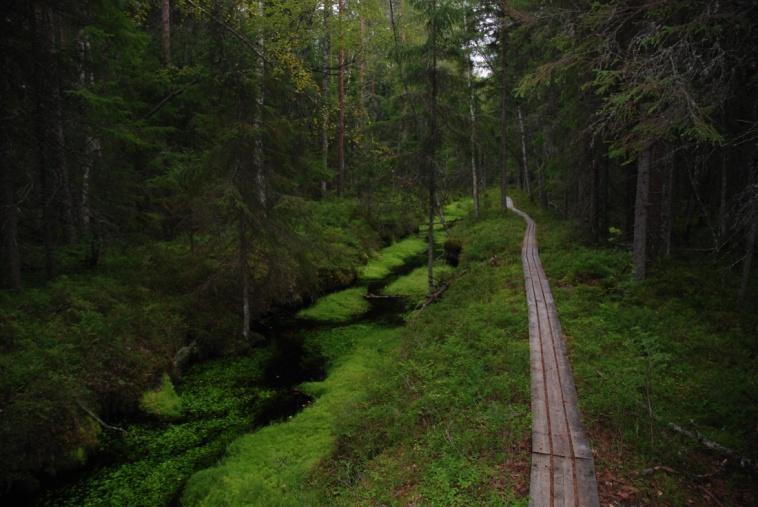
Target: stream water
x: 222, y: 399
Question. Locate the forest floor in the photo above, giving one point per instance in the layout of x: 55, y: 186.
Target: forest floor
x: 436, y: 410
x: 434, y: 407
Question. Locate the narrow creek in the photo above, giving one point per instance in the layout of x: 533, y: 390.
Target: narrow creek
x: 222, y: 399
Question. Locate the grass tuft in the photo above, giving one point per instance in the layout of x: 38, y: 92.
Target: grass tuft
x: 163, y: 401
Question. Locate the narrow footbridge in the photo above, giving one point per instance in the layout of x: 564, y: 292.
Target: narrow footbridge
x: 563, y: 470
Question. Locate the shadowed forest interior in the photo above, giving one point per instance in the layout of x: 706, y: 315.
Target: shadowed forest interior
x: 258, y: 252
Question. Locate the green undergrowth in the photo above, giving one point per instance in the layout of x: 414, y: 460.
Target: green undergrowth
x: 438, y: 427
x: 339, y: 306
x: 392, y: 257
x: 162, y: 401
x: 101, y: 336
x: 427, y: 412
x: 152, y: 461
x: 415, y: 285
x: 270, y: 466
x: 678, y: 345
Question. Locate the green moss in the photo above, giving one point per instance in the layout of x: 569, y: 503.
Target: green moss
x: 458, y: 209
x: 218, y: 397
x: 392, y: 257
x: 338, y: 307
x: 452, y: 402
x: 425, y: 413
x: 415, y: 285
x: 163, y: 401
x: 270, y: 466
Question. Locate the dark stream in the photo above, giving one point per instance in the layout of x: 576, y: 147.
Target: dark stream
x: 222, y: 399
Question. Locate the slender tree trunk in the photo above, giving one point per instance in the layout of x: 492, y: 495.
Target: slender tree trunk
x: 40, y: 60
x: 431, y: 148
x: 341, y: 106
x: 523, y: 153
x: 751, y: 232
x: 472, y: 134
x: 749, y: 252
x: 166, y: 31
x: 595, y: 198
x: 666, y: 205
x: 9, y: 253
x: 639, y: 251
x: 244, y: 253
x: 9, y: 225
x: 722, y: 200
x: 260, y: 170
x: 603, y: 219
x: 440, y: 210
x: 57, y: 133
x: 325, y: 95
x: 92, y: 152
x: 362, y: 67
x: 503, y: 120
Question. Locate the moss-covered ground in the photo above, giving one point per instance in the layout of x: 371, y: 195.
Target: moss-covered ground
x: 426, y: 412
x: 217, y: 400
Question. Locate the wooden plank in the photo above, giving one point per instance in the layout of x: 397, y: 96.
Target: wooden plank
x: 562, y: 463
x: 563, y: 473
x: 586, y: 483
x: 539, y: 482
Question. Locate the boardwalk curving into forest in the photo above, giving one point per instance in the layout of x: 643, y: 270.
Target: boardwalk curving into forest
x: 563, y: 471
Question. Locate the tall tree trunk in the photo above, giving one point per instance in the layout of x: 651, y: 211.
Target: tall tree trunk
x: 503, y: 118
x: 9, y: 253
x: 325, y: 95
x: 258, y: 163
x: 431, y: 148
x: 244, y: 253
x: 667, y: 218
x: 603, y: 197
x: 57, y: 134
x: 472, y: 133
x: 523, y: 153
x: 40, y: 60
x: 639, y: 250
x: 594, y: 198
x: 362, y: 67
x: 9, y: 225
x: 751, y: 232
x: 749, y: 252
x: 722, y: 200
x: 166, y: 31
x: 341, y: 105
x: 91, y: 144
x: 92, y: 152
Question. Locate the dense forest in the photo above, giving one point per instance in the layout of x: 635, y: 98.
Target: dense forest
x: 182, y: 177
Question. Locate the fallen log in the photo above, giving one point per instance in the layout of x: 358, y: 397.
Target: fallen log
x: 434, y: 296
x: 97, y: 419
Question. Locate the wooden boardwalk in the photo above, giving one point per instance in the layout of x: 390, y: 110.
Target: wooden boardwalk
x: 563, y: 471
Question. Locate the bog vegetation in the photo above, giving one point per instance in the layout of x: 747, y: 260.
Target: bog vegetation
x: 257, y: 252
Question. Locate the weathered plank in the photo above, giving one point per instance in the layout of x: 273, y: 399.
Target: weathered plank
x: 563, y: 472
